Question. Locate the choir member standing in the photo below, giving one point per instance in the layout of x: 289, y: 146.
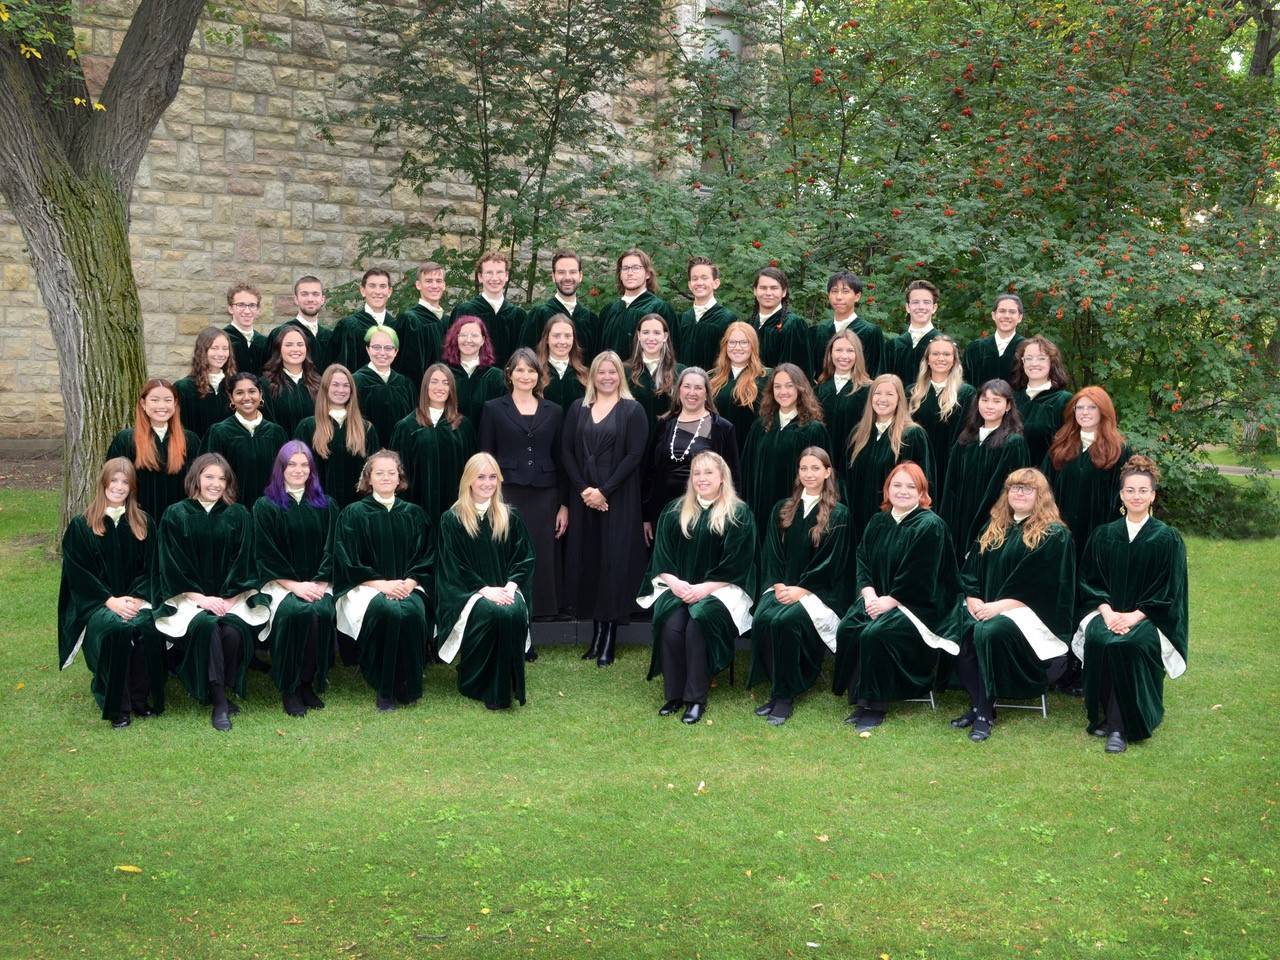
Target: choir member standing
x: 842, y: 386
x: 386, y: 397
x: 421, y: 326
x: 806, y: 580
x: 784, y: 336
x: 940, y: 401
x: 483, y: 578
x: 289, y: 381
x: 637, y: 297
x: 993, y: 357
x: 700, y: 584
x: 308, y: 297
x: 604, y: 441
x: 339, y: 436
x: 502, y: 319
x: 104, y: 600
x: 844, y: 290
x: 434, y: 443
x: 700, y: 329
x: 349, y: 340
x: 561, y: 354
x: 1039, y: 379
x: 158, y: 446
x: 244, y: 303
x: 566, y: 274
x: 652, y: 367
x: 469, y: 352
x: 905, y: 352
x: 247, y: 439
x: 203, y: 394
x: 1133, y: 583
x: 738, y: 380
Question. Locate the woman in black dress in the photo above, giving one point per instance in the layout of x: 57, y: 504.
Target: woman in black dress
x: 603, y: 446
x: 522, y: 432
x: 689, y: 427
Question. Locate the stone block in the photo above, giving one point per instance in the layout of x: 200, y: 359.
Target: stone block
x: 244, y: 188
x: 16, y: 276
x: 256, y: 77
x: 239, y: 146
x: 309, y: 38
x: 328, y: 213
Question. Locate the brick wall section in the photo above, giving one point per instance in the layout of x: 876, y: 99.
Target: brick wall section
x: 235, y: 186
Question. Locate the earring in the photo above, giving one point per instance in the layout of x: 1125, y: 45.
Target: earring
x: 1123, y: 511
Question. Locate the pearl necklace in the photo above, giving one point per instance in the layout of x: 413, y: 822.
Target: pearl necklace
x: 694, y: 439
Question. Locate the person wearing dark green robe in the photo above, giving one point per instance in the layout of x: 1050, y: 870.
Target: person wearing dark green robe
x: 1133, y: 585
x: 477, y: 387
x: 699, y: 330
x: 294, y: 527
x: 159, y: 478
x: 619, y: 320
x: 421, y: 327
x: 1039, y: 379
x: 844, y: 290
x: 289, y: 381
x: 247, y: 439
x: 993, y: 357
x: 308, y: 296
x: 700, y: 584
x: 790, y: 420
x: 386, y: 398
x: 743, y: 416
x: 1018, y: 586
x: 205, y: 587
x: 566, y: 274
x: 434, y: 443
x: 203, y: 394
x: 483, y: 582
x: 347, y: 440
x: 940, y: 402
x: 652, y: 358
x: 290, y: 406
x: 784, y: 338
x: 249, y: 346
x: 1041, y: 418
x: 842, y: 386
x: 351, y: 334
x: 563, y: 385
x: 104, y: 600
x: 887, y: 646
x: 988, y: 449
x: 806, y: 587
x: 384, y: 561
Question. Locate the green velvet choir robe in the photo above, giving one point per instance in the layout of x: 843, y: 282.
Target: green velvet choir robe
x: 704, y: 556
x: 476, y: 389
x: 653, y: 404
x: 1149, y: 574
x: 95, y: 568
x: 563, y: 389
x: 340, y: 470
x: 504, y: 326
x: 1041, y: 418
x: 200, y: 413
x: 903, y: 357
x: 211, y: 553
x: 157, y: 490
x: 743, y: 418
x: 871, y: 336
x: 841, y: 412
x: 983, y: 361
x: 618, y: 322
x: 293, y: 404
x: 889, y: 658
x: 384, y: 403
x: 347, y: 346
x: 975, y: 480
x: 862, y: 482
x: 697, y: 342
x: 770, y: 459
x: 489, y: 639
x: 251, y: 455
x: 784, y: 338
x: 433, y: 459
x: 798, y: 635
x: 250, y: 354
x: 942, y: 433
x: 295, y: 544
x: 374, y: 542
x: 1015, y: 649
x: 319, y: 344
x: 1087, y: 496
x: 421, y: 335
x: 586, y: 325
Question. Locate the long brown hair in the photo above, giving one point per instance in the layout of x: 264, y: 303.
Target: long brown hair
x: 899, y: 425
x: 1036, y: 527
x: 575, y: 352
x: 858, y: 375
x: 144, y: 445
x: 650, y: 277
x: 745, y: 388
x: 95, y: 514
x: 1057, y: 369
x: 808, y: 409
x: 273, y: 369
x: 200, y: 366
x: 451, y: 413
x: 1108, y: 441
x: 827, y: 499
x: 664, y: 379
x: 355, y: 423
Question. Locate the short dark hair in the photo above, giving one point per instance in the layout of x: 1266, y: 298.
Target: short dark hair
x: 848, y: 278
x: 1008, y: 296
x: 565, y: 254
x: 923, y: 285
x: 309, y: 278
x: 703, y: 262
x: 375, y: 272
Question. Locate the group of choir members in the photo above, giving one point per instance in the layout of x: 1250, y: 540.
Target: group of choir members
x: 598, y: 461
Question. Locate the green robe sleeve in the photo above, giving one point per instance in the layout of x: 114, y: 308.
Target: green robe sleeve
x: 736, y: 562
x: 93, y: 572
x: 1042, y: 579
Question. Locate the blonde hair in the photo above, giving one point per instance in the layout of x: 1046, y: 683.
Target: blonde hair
x: 464, y: 508
x: 606, y: 356
x: 323, y: 433
x: 1036, y: 527
x: 95, y: 513
x: 948, y: 398
x: 899, y: 425
x: 858, y: 375
x: 723, y: 511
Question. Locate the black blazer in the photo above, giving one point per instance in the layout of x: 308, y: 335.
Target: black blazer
x: 659, y: 487
x: 529, y: 456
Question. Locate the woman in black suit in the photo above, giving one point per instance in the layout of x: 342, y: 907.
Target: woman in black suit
x: 522, y: 432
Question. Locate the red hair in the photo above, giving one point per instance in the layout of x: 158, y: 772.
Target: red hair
x: 917, y: 477
x: 144, y: 456
x: 1108, y: 441
x: 449, y: 350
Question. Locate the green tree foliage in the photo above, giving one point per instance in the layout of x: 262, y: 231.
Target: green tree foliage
x: 1113, y: 163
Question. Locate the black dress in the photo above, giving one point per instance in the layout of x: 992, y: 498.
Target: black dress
x: 605, y: 553
x: 527, y: 448
x: 666, y: 474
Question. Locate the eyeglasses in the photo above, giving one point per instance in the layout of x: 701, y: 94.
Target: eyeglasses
x: 630, y: 269
x: 738, y: 343
x: 381, y: 347
x: 244, y: 306
x: 1021, y: 488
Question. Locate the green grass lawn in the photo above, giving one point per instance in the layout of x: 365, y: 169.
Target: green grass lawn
x: 586, y: 825
x: 1228, y: 457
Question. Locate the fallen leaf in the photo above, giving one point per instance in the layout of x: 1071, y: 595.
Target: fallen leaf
x: 279, y: 732
x: 484, y: 910
x: 1216, y: 706
x: 747, y: 872
x: 822, y: 838
x: 292, y: 922
x: 865, y: 734
x: 127, y: 868
x: 1206, y: 880
x: 702, y: 787
x: 24, y: 860
x: 20, y: 686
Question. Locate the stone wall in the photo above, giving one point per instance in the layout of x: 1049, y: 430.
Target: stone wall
x: 235, y: 186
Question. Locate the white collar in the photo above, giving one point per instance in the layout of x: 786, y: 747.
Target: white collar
x: 881, y: 427
x: 379, y: 317
x: 250, y: 425
x: 918, y: 335
x: 435, y: 413
x: 482, y: 507
x: 1135, y: 527
x: 650, y: 365
x: 984, y: 432
x: 247, y: 334
x: 764, y: 318
x: 385, y: 376
x: 433, y: 307
x: 215, y: 380
x: 207, y: 504
x: 1002, y: 344
x: 560, y: 366
x: 937, y: 387
x: 570, y: 305
x: 629, y: 300
x: 786, y: 418
x: 495, y: 305
x: 115, y: 513
x: 1019, y: 517
x: 700, y: 310
x: 387, y: 502
x: 840, y: 381
x: 843, y: 325
x: 898, y: 517
x: 807, y: 502
x: 469, y: 365
x: 736, y: 371
x: 160, y: 430
x: 1086, y: 439
x: 295, y: 377
x: 704, y: 504
x: 338, y: 415
x: 312, y: 325
x: 1031, y: 391
x: 296, y: 493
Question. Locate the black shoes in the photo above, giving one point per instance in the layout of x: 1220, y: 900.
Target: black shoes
x: 965, y: 719
x: 981, y: 729
x: 765, y: 708
x: 608, y: 643
x: 385, y: 705
x: 120, y: 722
x: 670, y: 707
x: 531, y: 655
x: 233, y: 708
x: 869, y: 720
x: 293, y: 705
x: 593, y: 651
x: 1116, y: 742
x: 309, y: 698
x: 693, y: 713
x: 781, y: 712
x: 221, y: 718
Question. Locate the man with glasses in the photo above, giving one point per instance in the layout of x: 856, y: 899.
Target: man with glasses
x: 244, y: 303
x: 501, y: 317
x: 637, y: 297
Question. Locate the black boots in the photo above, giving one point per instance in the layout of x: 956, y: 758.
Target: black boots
x: 593, y: 651
x: 608, y: 642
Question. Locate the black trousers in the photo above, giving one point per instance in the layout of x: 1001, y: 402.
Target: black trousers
x: 225, y: 652
x: 684, y: 659
x: 966, y: 664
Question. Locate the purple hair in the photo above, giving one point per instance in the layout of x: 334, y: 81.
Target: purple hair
x: 450, y: 348
x: 312, y: 494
